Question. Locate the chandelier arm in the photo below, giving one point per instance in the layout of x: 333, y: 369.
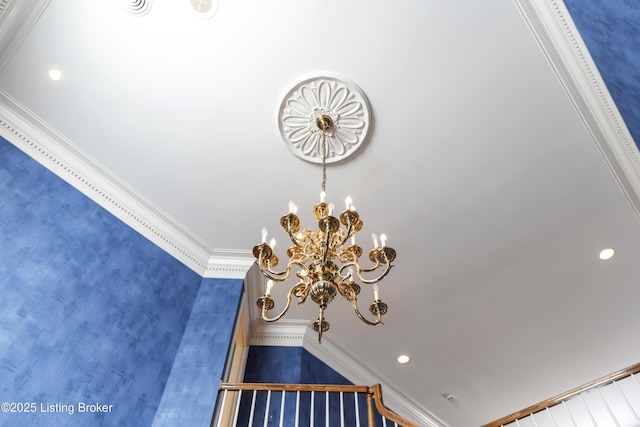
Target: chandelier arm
x: 299, y: 261
x: 286, y: 308
x: 294, y: 239
x: 347, y: 265
x: 281, y: 276
x: 349, y: 256
x: 378, y: 320
x: 277, y: 276
x: 347, y: 235
x: 359, y: 272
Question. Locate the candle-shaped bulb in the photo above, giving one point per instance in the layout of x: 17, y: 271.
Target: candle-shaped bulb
x: 375, y: 240
x: 269, y: 287
x: 264, y: 235
x: 272, y: 243
x: 376, y: 292
x: 383, y: 240
x: 353, y: 240
x: 347, y: 202
x: 292, y: 207
x: 331, y: 207
x: 323, y: 196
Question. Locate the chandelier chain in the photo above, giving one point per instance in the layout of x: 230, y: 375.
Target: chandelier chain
x: 324, y: 161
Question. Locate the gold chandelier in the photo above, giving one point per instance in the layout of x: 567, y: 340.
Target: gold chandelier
x: 326, y: 261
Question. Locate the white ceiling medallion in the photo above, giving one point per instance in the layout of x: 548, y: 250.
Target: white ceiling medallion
x: 136, y: 7
x: 341, y: 100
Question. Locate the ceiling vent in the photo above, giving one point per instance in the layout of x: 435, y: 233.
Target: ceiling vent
x: 205, y: 8
x: 136, y: 7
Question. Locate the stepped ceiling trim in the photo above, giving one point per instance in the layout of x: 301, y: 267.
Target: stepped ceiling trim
x: 553, y: 28
x: 17, y: 17
x: 286, y: 333
x: 44, y: 144
x: 229, y: 264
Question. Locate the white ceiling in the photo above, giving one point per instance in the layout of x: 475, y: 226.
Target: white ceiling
x: 497, y: 166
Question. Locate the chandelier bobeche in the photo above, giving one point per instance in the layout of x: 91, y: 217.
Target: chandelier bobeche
x: 326, y: 261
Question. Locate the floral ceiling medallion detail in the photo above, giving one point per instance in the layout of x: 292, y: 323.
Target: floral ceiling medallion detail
x: 339, y: 99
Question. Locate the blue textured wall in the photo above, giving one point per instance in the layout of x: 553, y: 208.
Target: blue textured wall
x: 90, y: 311
x: 190, y: 396
x: 293, y: 365
x: 266, y: 364
x: 611, y: 31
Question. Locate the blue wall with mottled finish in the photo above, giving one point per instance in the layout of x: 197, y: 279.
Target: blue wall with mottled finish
x: 293, y: 365
x: 190, y: 396
x: 611, y: 31
x: 91, y: 311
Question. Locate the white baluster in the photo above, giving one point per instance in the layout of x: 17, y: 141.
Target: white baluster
x: 284, y: 393
x: 297, y: 407
x: 253, y: 407
x: 221, y: 409
x: 235, y: 417
x: 326, y: 409
x: 341, y: 409
x: 311, y: 411
x: 357, y: 409
x: 266, y: 409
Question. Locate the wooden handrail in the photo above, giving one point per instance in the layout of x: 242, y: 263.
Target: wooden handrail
x: 372, y: 393
x: 331, y: 388
x: 607, y: 379
x: 377, y: 392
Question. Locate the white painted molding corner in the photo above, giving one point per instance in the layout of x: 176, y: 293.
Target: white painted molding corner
x: 58, y: 154
x: 557, y: 35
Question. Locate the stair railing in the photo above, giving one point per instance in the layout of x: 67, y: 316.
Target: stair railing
x: 258, y: 404
x: 613, y: 400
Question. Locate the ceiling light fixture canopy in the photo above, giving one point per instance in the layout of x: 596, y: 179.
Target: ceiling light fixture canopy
x: 326, y: 261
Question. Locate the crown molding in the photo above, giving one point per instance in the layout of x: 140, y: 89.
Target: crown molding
x: 58, y: 154
x: 557, y: 35
x: 286, y: 333
x: 17, y: 18
x: 229, y: 264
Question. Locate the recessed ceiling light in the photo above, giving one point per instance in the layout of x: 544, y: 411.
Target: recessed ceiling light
x: 607, y: 253
x: 55, y: 74
x: 403, y: 359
